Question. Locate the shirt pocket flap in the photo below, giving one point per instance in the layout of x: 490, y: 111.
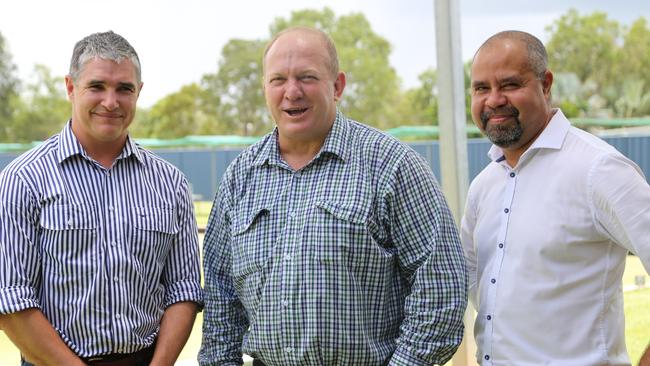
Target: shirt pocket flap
x: 246, y: 220
x: 68, y: 217
x: 160, y: 219
x: 345, y: 212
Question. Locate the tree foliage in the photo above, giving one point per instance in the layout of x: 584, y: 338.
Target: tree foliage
x: 609, y: 63
x: 8, y: 88
x: 43, y: 109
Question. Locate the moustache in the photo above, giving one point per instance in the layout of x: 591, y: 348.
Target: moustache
x: 509, y: 111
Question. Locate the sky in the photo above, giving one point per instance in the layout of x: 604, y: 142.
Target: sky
x: 180, y: 41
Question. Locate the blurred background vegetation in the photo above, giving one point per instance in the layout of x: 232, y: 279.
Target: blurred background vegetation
x: 601, y: 71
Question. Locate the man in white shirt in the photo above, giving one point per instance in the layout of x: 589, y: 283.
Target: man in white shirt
x: 548, y: 223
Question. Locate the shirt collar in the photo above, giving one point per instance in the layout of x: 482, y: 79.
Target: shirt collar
x: 70, y: 146
x: 334, y: 143
x: 551, y: 138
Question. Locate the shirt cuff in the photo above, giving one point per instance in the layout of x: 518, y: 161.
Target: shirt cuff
x: 184, y: 291
x: 17, y: 298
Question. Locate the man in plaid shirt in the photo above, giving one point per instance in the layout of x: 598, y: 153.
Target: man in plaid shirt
x: 329, y: 242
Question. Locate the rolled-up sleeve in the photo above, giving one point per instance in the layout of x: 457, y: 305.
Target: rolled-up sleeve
x: 182, y: 275
x: 20, y: 259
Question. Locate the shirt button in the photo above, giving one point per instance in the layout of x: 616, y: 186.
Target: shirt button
x: 493, y: 280
x: 289, y: 350
x: 512, y: 174
x: 287, y: 257
x: 489, y: 317
x: 285, y: 303
x: 116, y: 279
x: 70, y: 222
x: 500, y: 245
x: 487, y: 357
x: 110, y: 208
x: 118, y: 316
x: 506, y: 210
x: 113, y: 243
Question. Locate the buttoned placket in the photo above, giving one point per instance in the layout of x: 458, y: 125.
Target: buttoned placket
x: 494, y: 272
x: 289, y: 264
x: 112, y: 253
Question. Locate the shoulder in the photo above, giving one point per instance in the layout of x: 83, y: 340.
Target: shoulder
x: 159, y: 167
x: 370, y: 145
x: 35, y: 161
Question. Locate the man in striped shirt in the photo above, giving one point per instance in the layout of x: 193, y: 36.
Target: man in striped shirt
x: 329, y: 242
x: 98, y: 241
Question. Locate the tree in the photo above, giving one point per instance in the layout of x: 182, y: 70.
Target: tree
x: 176, y: 115
x: 634, y: 57
x: 238, y: 87
x: 420, y: 104
x: 8, y: 88
x: 42, y: 110
x: 584, y: 45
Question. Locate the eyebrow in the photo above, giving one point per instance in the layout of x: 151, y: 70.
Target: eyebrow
x: 120, y: 84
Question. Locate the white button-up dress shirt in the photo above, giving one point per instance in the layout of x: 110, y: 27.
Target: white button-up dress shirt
x: 546, y: 243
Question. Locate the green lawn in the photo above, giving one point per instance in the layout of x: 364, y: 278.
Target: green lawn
x: 637, y: 330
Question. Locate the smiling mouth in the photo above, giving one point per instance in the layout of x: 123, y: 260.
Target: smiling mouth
x: 295, y: 112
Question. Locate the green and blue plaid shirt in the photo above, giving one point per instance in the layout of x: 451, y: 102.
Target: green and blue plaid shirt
x: 352, y: 260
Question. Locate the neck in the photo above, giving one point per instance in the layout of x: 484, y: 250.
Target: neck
x: 298, y: 153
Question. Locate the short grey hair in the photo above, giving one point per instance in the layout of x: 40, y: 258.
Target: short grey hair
x: 537, y: 56
x: 108, y: 46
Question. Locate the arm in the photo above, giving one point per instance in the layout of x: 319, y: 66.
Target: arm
x: 181, y: 278
x: 36, y: 339
x: 431, y: 258
x: 20, y: 266
x: 645, y: 359
x: 620, y: 198
x: 175, y: 329
x: 224, y: 317
x: 467, y: 239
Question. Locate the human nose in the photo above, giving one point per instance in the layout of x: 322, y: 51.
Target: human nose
x: 495, y: 99
x: 293, y: 90
x: 110, y: 100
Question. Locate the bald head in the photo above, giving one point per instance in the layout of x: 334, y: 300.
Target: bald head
x: 328, y: 44
x: 536, y: 52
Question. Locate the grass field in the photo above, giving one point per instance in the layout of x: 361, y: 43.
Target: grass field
x: 637, y: 330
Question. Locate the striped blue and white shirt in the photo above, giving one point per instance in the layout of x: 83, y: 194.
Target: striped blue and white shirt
x: 354, y: 259
x: 101, y: 252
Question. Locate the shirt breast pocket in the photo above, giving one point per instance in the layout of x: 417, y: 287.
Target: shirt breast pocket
x: 154, y: 230
x: 340, y: 234
x: 68, y: 239
x: 251, y: 244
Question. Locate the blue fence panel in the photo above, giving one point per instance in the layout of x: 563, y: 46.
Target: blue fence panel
x: 204, y: 168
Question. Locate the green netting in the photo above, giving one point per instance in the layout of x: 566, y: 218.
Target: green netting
x: 423, y: 132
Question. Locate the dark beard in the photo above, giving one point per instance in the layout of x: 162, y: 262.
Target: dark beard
x: 503, y: 135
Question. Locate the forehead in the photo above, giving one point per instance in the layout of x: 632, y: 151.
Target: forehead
x: 106, y: 70
x: 297, y: 47
x: 500, y: 59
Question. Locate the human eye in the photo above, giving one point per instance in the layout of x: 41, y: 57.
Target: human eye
x: 510, y: 85
x: 479, y: 89
x: 126, y: 89
x: 95, y: 86
x: 276, y: 80
x: 309, y: 77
